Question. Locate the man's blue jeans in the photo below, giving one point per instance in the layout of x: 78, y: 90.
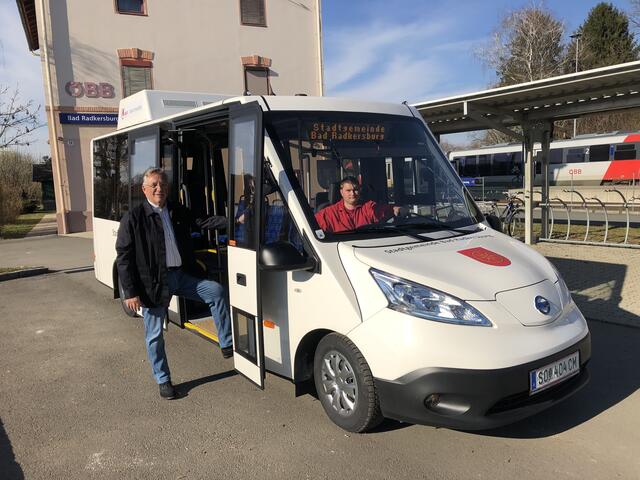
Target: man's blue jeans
x: 184, y: 285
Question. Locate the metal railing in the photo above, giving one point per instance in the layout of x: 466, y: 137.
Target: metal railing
x: 593, y: 213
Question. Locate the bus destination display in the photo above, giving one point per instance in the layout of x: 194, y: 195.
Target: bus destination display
x: 350, y: 132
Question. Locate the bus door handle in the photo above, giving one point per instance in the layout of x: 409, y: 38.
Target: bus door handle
x: 241, y: 279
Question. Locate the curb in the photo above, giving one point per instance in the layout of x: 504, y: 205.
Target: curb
x: 27, y: 272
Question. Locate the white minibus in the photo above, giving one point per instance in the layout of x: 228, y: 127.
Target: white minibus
x: 421, y: 313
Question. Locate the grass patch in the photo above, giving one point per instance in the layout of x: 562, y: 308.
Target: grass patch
x: 10, y: 269
x: 616, y: 233
x: 21, y: 225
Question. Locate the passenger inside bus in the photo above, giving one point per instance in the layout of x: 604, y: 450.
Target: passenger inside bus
x: 349, y: 213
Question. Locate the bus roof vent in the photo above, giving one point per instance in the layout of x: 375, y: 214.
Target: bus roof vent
x: 149, y: 105
x: 179, y: 103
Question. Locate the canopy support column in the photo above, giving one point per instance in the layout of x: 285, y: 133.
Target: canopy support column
x: 535, y: 132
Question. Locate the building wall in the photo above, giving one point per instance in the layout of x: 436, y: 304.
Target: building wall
x: 196, y: 45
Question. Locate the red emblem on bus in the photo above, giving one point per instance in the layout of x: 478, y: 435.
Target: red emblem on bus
x: 486, y: 256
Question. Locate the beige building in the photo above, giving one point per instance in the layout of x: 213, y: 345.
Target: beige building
x: 95, y: 52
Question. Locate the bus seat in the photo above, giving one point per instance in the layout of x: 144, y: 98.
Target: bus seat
x: 273, y: 224
x: 322, y: 200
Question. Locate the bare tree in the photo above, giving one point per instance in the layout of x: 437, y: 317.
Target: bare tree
x: 526, y: 46
x: 17, y: 119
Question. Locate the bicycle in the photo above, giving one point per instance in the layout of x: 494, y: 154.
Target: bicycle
x: 512, y: 217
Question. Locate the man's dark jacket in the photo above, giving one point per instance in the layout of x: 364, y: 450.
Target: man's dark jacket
x: 142, y: 258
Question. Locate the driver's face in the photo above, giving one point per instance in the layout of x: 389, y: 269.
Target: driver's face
x: 350, y: 194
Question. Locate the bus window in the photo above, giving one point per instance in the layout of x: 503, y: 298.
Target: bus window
x: 111, y: 177
x: 242, y: 151
x: 599, y: 153
x: 142, y: 156
x: 575, y: 155
x: 625, y: 151
x: 278, y: 226
x: 502, y: 163
x: 484, y: 165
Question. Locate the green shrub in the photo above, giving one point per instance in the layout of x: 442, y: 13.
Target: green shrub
x: 17, y: 192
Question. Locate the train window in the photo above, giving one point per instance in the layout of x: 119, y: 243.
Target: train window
x: 502, y: 163
x: 625, y: 151
x: 575, y: 155
x: 555, y: 156
x: 469, y: 166
x: 517, y: 159
x: 484, y: 165
x: 599, y: 153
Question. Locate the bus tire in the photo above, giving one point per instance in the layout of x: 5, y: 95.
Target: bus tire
x: 127, y: 310
x: 345, y: 385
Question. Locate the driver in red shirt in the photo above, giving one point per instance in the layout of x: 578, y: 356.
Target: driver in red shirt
x: 349, y: 214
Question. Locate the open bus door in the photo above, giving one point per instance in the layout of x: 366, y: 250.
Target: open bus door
x: 245, y: 192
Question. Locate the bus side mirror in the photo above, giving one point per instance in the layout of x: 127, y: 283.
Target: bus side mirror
x: 494, y: 222
x: 283, y: 256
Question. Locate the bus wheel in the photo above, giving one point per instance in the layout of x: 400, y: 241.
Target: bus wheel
x: 344, y: 384
x: 127, y: 310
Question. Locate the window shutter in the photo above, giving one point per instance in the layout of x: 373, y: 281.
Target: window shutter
x: 135, y: 79
x: 252, y: 12
x: 257, y: 81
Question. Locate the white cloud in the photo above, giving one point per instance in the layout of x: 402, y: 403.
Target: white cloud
x: 400, y: 78
x: 395, y: 61
x: 350, y: 53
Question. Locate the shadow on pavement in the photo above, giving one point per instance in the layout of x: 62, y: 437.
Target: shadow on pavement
x: 614, y: 377
x: 603, y: 282
x: 184, y: 388
x: 389, y: 425
x: 9, y: 468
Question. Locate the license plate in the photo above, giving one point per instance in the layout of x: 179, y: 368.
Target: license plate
x: 554, y: 373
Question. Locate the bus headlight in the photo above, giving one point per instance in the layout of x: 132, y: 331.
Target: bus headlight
x: 565, y: 293
x: 424, y: 302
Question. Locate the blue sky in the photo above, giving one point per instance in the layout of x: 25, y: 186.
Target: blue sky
x: 390, y: 50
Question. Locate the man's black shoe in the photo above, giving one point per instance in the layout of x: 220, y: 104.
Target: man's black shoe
x: 167, y: 391
x: 227, y: 352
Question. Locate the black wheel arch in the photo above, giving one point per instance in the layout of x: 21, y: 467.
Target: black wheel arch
x: 303, y: 361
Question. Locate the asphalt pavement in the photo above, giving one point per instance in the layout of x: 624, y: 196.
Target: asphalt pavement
x: 77, y: 401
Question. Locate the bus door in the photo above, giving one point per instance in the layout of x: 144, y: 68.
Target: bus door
x: 245, y: 212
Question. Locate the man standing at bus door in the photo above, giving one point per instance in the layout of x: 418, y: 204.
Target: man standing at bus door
x: 348, y: 213
x: 155, y: 261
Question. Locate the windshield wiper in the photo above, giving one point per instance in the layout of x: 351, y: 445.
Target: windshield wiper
x: 377, y: 227
x: 433, y: 224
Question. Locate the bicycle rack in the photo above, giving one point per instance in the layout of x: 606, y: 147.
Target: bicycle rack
x: 586, y: 209
x: 606, y: 218
x: 568, y: 210
x: 625, y: 204
x: 549, y: 207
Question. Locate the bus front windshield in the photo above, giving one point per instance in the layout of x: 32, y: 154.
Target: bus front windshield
x: 361, y: 175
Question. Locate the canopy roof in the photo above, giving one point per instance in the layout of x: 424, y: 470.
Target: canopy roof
x: 557, y: 98
x: 27, y: 11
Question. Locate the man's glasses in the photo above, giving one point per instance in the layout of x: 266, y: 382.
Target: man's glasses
x: 153, y: 186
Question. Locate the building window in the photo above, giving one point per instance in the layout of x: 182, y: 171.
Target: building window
x: 136, y: 67
x: 252, y: 12
x: 256, y: 75
x: 135, y: 79
x: 256, y: 81
x: 133, y: 7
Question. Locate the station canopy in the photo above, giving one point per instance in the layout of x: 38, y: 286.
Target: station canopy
x: 600, y: 90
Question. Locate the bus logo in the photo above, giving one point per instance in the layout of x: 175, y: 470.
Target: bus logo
x: 488, y: 257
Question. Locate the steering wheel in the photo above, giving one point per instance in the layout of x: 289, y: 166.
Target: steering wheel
x: 393, y: 219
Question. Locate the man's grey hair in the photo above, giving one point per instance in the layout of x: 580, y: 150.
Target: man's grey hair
x: 154, y: 171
